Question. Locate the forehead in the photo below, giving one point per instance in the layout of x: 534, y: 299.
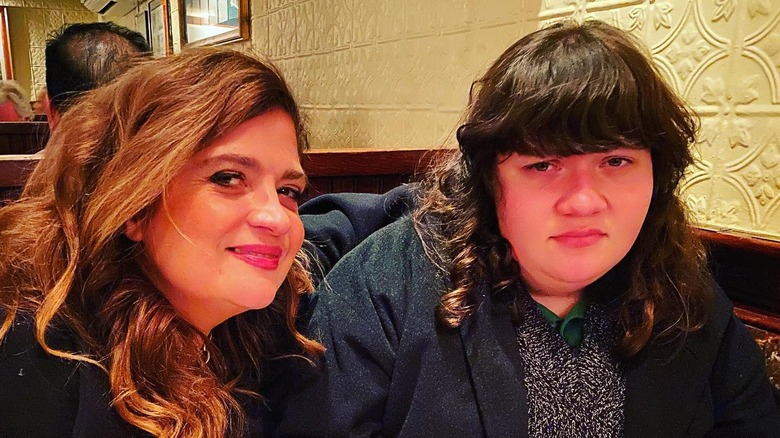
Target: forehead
x: 569, y: 148
x: 268, y: 138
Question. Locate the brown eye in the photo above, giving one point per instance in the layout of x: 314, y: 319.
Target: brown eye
x: 226, y: 178
x: 290, y: 192
x: 541, y: 166
x: 617, y: 161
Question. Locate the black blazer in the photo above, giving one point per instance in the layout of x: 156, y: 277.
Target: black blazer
x: 390, y: 371
x: 44, y: 396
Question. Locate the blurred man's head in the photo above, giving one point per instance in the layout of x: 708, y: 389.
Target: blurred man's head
x: 82, y: 56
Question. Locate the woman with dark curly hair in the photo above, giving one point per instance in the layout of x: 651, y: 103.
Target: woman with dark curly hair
x: 548, y: 284
x: 150, y: 272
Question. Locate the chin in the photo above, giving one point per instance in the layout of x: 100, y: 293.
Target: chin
x: 256, y: 299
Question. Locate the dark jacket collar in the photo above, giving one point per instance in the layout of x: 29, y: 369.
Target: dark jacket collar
x: 493, y: 358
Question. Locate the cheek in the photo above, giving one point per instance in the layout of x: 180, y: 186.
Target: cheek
x: 516, y: 225
x: 296, y: 233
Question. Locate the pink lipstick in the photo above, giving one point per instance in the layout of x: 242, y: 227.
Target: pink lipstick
x: 260, y: 256
x: 579, y: 238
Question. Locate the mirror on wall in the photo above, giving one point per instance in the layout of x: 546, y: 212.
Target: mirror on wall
x: 210, y: 22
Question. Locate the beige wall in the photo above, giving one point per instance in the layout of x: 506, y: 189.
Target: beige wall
x: 30, y: 23
x: 396, y: 74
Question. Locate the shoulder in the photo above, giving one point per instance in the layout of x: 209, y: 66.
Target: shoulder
x: 36, y: 384
x: 44, y: 395
x: 388, y: 257
x: 382, y: 282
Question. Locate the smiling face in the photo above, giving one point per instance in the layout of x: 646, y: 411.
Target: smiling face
x: 571, y: 219
x: 226, y: 232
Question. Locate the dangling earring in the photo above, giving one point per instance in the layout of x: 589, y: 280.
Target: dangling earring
x: 206, y: 352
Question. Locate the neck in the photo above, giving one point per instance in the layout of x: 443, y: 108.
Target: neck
x: 561, y: 305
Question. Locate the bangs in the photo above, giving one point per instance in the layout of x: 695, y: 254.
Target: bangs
x: 587, y: 89
x: 585, y: 100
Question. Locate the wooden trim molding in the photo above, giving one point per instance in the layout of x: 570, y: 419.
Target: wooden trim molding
x: 365, y: 162
x: 15, y: 169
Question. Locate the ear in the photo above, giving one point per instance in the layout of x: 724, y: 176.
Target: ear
x: 52, y: 115
x: 135, y: 229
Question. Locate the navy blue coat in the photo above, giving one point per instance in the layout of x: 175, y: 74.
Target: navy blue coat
x: 390, y: 371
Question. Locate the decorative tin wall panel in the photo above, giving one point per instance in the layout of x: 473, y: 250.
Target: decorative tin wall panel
x: 396, y: 74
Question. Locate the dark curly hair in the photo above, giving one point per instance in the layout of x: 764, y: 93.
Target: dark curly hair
x: 571, y: 89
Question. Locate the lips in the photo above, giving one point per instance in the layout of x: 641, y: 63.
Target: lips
x: 579, y: 238
x: 260, y: 256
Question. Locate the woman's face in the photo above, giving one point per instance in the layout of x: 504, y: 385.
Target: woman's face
x: 571, y: 219
x: 226, y: 232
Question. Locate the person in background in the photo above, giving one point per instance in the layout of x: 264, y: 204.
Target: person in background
x: 548, y: 283
x: 14, y: 106
x: 150, y: 272
x: 82, y: 56
x: 39, y: 104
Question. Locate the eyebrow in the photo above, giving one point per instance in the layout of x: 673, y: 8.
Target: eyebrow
x: 251, y: 163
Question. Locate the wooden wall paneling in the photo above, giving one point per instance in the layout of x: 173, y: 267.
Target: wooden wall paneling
x: 23, y: 137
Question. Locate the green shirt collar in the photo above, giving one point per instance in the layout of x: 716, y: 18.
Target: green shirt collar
x: 570, y: 326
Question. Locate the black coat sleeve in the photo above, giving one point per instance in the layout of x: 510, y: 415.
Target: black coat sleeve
x: 745, y: 402
x: 39, y: 393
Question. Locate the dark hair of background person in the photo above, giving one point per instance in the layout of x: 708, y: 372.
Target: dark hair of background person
x: 571, y: 89
x: 82, y: 56
x: 65, y: 261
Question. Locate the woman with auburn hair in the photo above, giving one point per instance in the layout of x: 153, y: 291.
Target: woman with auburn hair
x: 150, y: 273
x: 548, y: 284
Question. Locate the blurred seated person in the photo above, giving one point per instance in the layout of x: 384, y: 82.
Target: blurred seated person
x: 83, y: 56
x: 14, y: 106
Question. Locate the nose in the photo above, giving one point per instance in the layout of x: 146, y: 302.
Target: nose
x: 582, y: 195
x: 269, y: 214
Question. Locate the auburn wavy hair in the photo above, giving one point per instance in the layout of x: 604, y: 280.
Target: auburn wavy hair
x: 571, y: 89
x: 65, y: 261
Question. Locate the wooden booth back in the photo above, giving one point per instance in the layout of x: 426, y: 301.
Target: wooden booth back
x: 23, y: 137
x: 748, y: 268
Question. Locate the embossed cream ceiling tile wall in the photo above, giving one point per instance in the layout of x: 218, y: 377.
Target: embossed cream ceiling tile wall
x: 384, y: 80
x: 365, y: 133
x: 365, y: 76
x: 497, y: 12
x: 260, y: 39
x: 454, y: 61
x: 281, y: 33
x: 337, y: 125
x: 36, y: 29
x: 390, y: 19
x: 297, y: 71
x: 391, y: 128
x: 338, y: 82
x: 364, y: 22
x: 335, y: 17
x: 455, y: 15
x: 418, y: 132
x: 420, y: 18
x: 308, y: 35
x: 491, y: 42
